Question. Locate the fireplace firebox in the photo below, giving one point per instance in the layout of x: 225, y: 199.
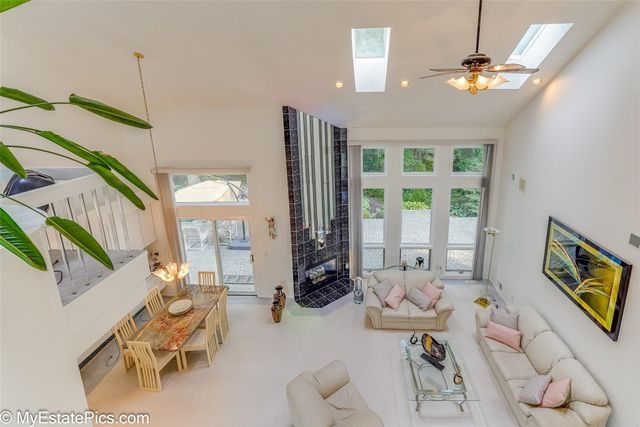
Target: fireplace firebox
x: 322, y: 273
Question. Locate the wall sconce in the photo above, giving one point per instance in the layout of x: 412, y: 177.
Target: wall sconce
x: 321, y: 239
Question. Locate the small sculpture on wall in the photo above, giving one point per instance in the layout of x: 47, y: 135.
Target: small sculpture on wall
x: 271, y: 223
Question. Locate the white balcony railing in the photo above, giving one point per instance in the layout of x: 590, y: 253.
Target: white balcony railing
x: 121, y: 229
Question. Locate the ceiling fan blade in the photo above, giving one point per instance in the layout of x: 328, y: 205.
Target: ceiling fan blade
x: 504, y: 68
x: 444, y: 73
x: 524, y: 71
x: 448, y: 70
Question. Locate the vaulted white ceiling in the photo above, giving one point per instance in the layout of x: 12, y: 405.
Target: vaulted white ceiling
x: 229, y: 54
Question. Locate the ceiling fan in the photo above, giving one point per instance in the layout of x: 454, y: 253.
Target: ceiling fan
x: 476, y: 64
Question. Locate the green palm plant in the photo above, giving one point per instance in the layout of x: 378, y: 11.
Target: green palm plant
x: 590, y: 285
x: 12, y: 237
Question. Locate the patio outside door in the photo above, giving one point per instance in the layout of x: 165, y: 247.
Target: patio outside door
x: 220, y: 245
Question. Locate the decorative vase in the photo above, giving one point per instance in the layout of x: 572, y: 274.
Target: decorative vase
x: 358, y: 292
x: 280, y: 296
x: 276, y: 311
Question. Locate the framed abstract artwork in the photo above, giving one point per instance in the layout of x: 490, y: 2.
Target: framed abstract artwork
x: 593, y: 278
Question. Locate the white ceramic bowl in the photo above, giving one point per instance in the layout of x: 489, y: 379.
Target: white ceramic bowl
x: 180, y: 307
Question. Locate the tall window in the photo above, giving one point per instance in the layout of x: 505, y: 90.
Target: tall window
x: 373, y: 228
x: 422, y: 201
x: 463, y: 225
x: 415, y: 237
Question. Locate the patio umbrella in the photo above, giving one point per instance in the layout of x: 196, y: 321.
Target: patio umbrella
x: 208, y: 191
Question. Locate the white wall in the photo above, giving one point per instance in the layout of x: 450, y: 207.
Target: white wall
x: 202, y: 137
x: 578, y: 147
x: 238, y: 138
x: 39, y: 369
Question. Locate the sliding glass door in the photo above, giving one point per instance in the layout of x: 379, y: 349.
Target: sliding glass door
x: 235, y: 258
x: 222, y: 246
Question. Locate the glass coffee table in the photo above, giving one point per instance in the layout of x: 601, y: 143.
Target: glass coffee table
x: 426, y: 383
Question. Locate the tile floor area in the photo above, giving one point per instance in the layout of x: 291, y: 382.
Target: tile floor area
x: 245, y: 386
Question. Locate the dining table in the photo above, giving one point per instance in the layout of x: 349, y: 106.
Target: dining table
x: 168, y: 332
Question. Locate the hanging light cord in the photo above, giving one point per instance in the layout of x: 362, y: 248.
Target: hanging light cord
x: 138, y: 57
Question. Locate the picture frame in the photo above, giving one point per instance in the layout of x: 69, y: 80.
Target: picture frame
x: 592, y: 277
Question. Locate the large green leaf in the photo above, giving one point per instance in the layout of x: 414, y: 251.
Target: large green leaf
x: 116, y: 183
x: 81, y: 238
x: 10, y: 4
x: 20, y: 96
x: 71, y: 146
x: 125, y: 172
x: 15, y: 240
x: 9, y: 160
x: 108, y: 112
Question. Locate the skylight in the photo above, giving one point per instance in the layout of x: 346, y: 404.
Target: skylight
x: 370, y: 47
x: 538, y: 41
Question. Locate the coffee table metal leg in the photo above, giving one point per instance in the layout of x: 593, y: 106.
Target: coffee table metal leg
x: 418, y: 403
x: 460, y: 405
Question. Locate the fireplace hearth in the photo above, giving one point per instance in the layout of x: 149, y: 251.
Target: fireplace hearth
x: 317, y: 177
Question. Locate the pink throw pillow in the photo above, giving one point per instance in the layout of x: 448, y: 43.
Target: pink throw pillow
x: 556, y: 393
x: 432, y: 292
x: 395, y: 297
x: 505, y: 335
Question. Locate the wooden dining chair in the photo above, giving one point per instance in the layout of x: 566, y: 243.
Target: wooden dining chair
x: 149, y: 363
x: 203, y: 339
x: 122, y: 331
x: 206, y: 278
x: 153, y: 301
x: 224, y: 320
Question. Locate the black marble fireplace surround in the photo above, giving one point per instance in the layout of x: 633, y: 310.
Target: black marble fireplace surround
x: 305, y: 251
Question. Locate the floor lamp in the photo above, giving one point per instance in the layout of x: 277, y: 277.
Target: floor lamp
x: 483, y: 301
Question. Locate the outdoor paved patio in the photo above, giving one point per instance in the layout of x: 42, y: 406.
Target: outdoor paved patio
x: 416, y: 229
x: 238, y: 271
x: 236, y: 264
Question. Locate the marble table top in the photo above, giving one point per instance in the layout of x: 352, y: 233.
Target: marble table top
x: 167, y: 332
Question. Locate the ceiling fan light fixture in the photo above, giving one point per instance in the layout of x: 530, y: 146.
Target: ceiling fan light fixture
x: 460, y: 83
x: 482, y: 82
x: 496, y: 81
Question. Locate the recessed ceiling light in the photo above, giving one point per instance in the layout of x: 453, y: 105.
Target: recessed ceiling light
x: 404, y: 83
x: 338, y: 84
x: 536, y: 81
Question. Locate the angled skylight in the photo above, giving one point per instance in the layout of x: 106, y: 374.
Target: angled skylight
x: 370, y: 47
x: 538, y: 41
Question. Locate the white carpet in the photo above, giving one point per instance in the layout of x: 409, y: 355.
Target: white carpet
x: 245, y: 387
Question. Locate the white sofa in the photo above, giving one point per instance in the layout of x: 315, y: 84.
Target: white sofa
x: 326, y: 398
x: 408, y: 315
x: 544, y: 352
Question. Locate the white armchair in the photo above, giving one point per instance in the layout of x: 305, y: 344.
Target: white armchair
x: 327, y: 398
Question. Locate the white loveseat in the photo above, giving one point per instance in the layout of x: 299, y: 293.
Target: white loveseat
x: 327, y: 398
x: 408, y: 315
x: 544, y: 352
